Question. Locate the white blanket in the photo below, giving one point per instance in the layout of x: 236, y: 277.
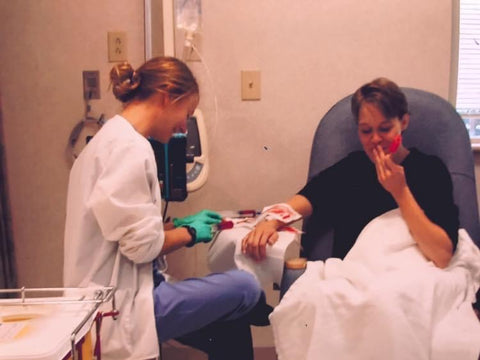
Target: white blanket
x: 383, y: 301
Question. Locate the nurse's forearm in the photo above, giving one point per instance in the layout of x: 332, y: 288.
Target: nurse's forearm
x: 175, y: 239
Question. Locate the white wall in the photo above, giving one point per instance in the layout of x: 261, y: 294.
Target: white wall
x: 310, y: 53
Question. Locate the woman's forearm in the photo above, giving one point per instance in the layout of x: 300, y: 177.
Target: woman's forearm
x: 432, y: 240
x: 300, y: 204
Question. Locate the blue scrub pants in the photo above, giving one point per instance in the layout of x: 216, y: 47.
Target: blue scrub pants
x: 209, y: 313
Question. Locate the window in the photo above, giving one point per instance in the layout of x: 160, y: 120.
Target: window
x: 468, y: 76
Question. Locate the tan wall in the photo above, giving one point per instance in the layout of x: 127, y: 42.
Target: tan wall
x: 310, y: 53
x: 44, y: 47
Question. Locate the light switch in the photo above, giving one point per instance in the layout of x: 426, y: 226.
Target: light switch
x: 117, y: 46
x: 250, y: 85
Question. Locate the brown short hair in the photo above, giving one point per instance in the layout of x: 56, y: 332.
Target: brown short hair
x: 383, y: 93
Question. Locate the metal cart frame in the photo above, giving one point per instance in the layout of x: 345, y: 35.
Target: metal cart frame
x: 100, y: 295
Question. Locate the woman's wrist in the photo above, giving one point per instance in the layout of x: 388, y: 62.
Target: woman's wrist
x: 402, y: 196
x: 273, y: 223
x: 193, y: 235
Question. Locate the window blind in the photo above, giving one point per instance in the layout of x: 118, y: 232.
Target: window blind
x: 468, y: 85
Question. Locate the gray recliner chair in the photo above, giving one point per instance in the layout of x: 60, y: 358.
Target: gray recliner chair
x: 435, y: 128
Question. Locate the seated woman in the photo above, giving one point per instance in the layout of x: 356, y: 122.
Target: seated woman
x: 384, y: 294
x: 368, y: 183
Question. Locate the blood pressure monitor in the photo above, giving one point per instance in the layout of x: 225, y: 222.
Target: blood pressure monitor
x: 196, y: 152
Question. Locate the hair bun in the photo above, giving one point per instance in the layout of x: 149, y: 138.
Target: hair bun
x: 125, y: 81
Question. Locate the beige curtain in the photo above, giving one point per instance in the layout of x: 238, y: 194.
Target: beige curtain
x: 7, y: 258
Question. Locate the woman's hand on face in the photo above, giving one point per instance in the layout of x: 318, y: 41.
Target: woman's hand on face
x: 255, y: 243
x: 390, y: 175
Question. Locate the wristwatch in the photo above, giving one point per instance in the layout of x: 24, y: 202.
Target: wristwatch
x: 193, y: 235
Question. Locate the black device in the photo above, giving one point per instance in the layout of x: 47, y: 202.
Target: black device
x: 171, y: 167
x: 172, y: 159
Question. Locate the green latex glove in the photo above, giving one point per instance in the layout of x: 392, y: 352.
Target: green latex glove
x: 204, y: 231
x: 205, y: 216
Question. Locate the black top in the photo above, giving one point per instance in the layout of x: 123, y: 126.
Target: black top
x: 347, y: 196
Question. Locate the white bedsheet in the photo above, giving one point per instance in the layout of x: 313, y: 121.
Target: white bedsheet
x: 383, y: 301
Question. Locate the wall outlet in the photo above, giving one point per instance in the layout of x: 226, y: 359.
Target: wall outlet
x: 117, y: 46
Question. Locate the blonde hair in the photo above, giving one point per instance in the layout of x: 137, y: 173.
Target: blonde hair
x: 167, y: 75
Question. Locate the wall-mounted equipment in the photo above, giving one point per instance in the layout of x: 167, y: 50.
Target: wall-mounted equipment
x: 88, y: 126
x: 91, y: 84
x: 182, y: 164
x: 197, y: 152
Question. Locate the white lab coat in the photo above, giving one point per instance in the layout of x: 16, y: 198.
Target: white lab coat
x: 113, y: 232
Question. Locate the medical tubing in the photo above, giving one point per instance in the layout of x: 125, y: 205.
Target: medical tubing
x: 165, y: 212
x: 188, y: 45
x: 210, y: 80
x: 166, y: 183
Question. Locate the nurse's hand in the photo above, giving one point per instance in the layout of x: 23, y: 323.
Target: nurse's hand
x: 205, y: 216
x: 255, y: 243
x: 204, y: 230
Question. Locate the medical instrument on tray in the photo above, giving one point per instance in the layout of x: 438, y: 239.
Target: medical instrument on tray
x: 233, y: 214
x: 223, y: 225
x: 216, y: 229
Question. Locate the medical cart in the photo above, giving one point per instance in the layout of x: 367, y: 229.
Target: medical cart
x: 52, y: 323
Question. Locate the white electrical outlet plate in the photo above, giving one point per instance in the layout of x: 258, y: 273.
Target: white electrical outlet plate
x: 117, y: 46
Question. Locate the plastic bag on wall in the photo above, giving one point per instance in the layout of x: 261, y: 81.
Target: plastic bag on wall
x: 188, y: 14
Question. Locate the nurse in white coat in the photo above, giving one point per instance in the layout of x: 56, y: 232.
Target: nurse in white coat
x: 114, y: 229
